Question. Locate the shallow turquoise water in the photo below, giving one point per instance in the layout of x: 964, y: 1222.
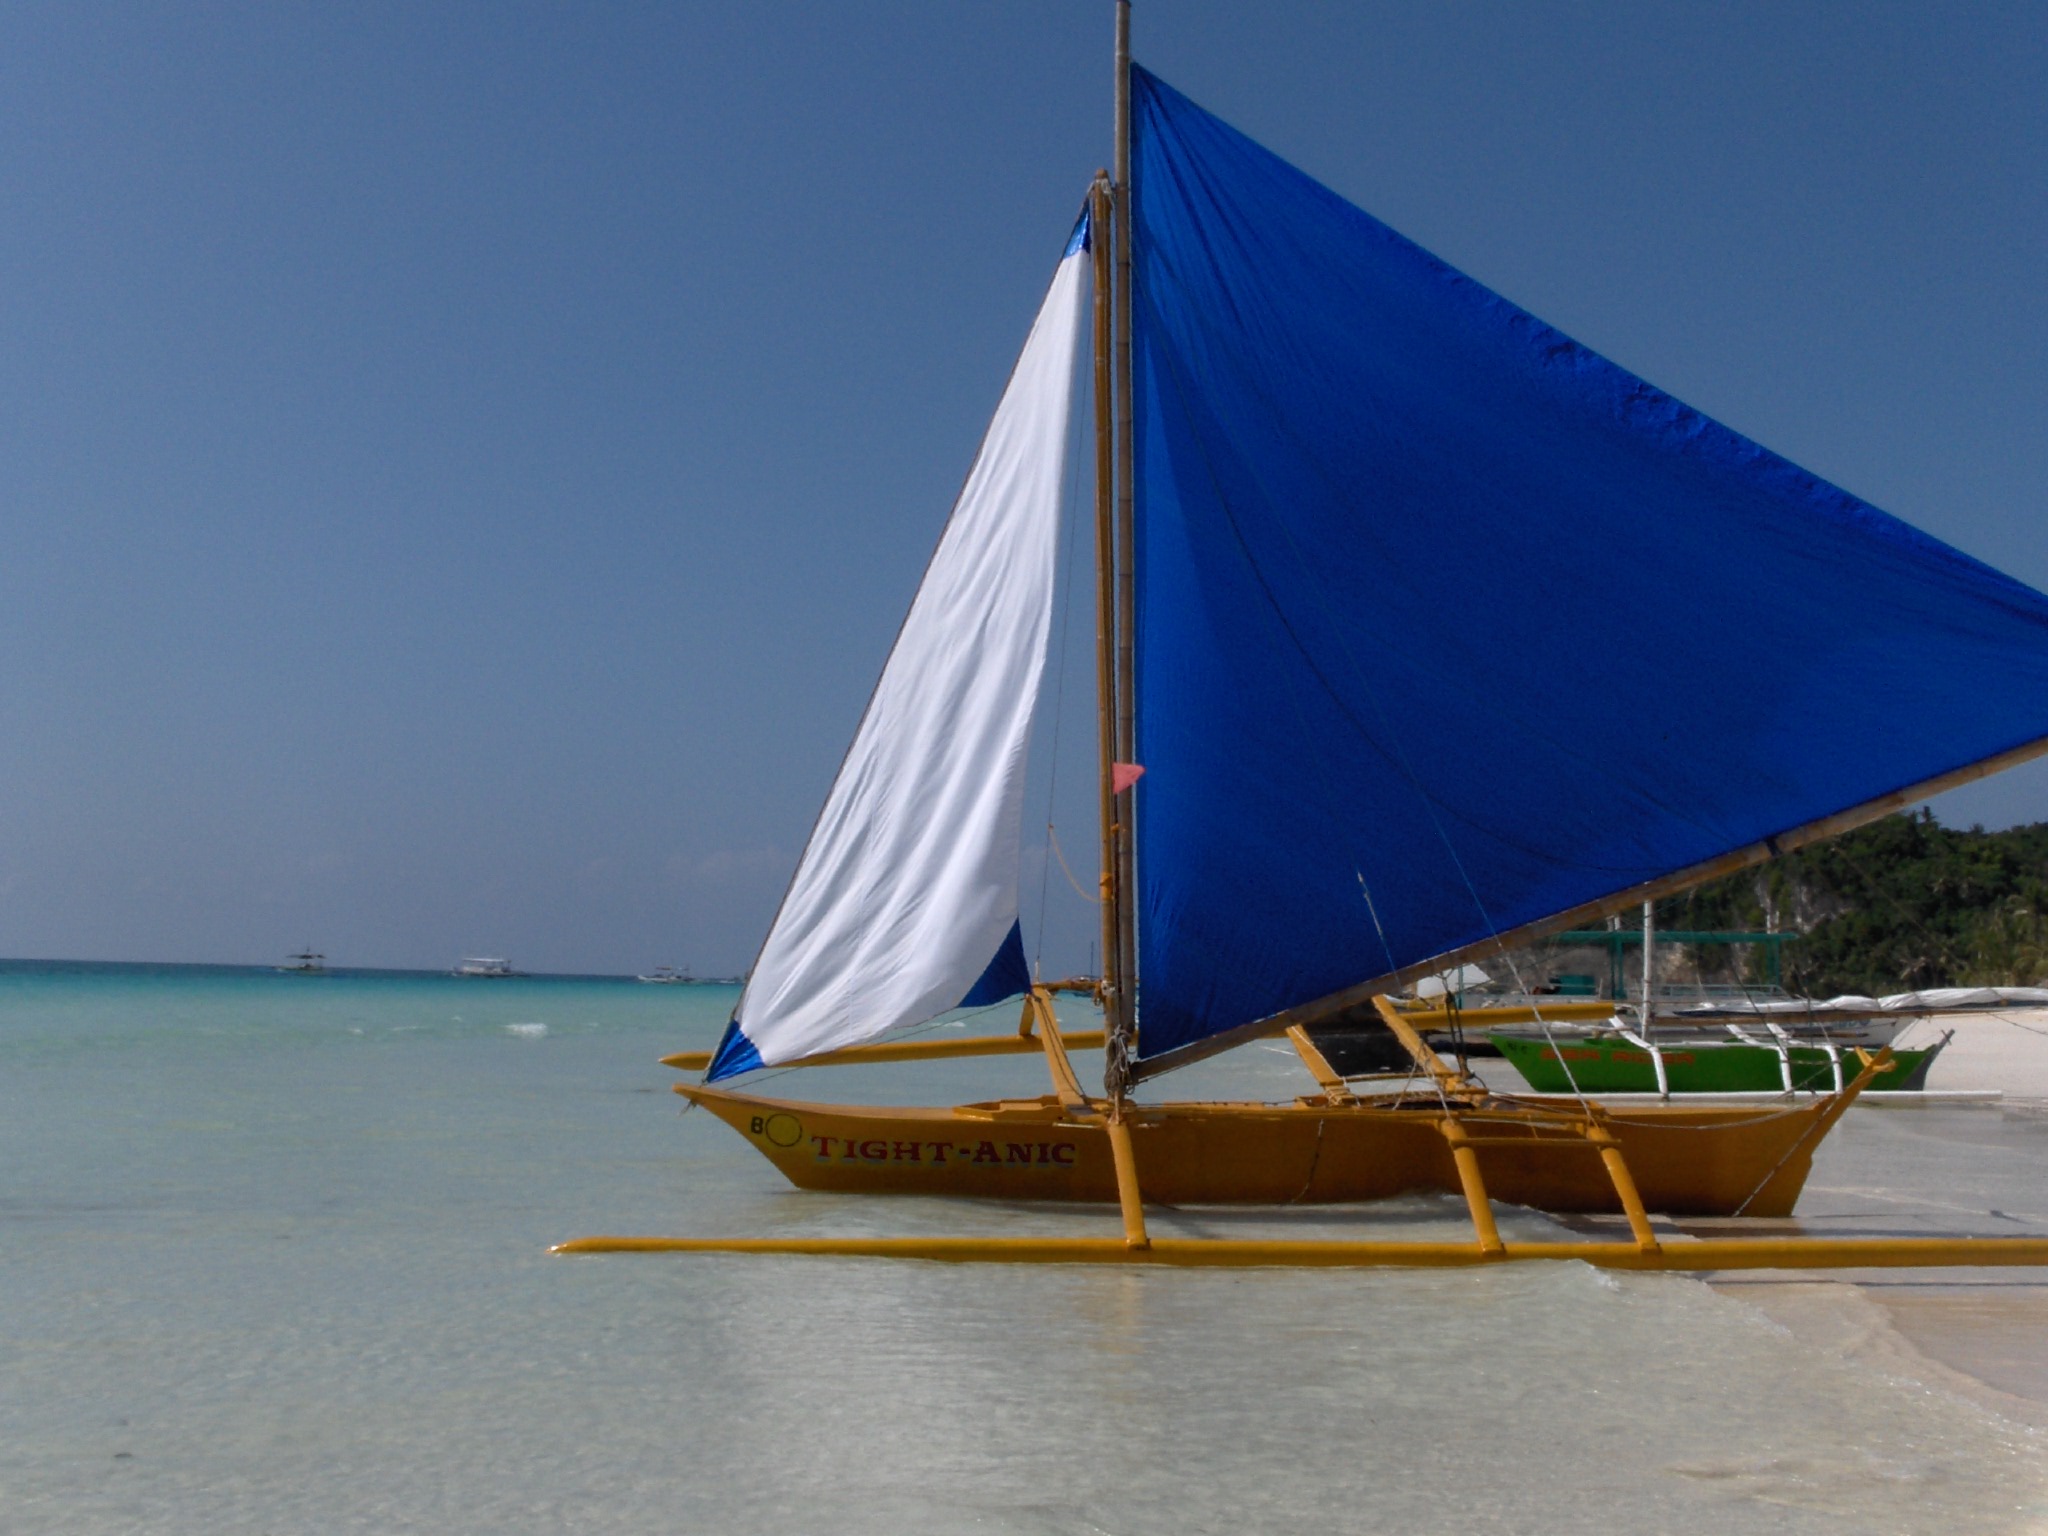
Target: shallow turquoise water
x: 273, y: 1258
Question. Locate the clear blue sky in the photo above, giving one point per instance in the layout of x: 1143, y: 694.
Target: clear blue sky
x: 461, y: 466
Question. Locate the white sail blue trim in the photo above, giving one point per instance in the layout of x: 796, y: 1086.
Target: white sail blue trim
x: 909, y: 882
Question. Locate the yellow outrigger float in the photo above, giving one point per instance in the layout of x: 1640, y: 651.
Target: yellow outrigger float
x: 1365, y: 482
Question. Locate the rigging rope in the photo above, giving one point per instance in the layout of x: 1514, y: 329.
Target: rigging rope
x: 1052, y: 839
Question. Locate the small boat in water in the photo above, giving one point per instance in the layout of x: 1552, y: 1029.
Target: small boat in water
x: 1748, y: 1045
x: 668, y: 975
x: 485, y: 967
x: 307, y: 962
x: 1324, y: 771
x: 1615, y: 1062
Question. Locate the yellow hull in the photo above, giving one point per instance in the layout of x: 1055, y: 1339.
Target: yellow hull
x: 1686, y: 1160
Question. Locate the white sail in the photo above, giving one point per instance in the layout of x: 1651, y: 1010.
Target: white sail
x: 909, y: 882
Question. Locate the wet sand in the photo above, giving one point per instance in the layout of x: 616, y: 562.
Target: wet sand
x: 1979, y: 1334
x: 1930, y: 1170
x: 1983, y: 1340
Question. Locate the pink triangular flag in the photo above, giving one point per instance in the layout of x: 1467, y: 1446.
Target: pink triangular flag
x: 1123, y: 775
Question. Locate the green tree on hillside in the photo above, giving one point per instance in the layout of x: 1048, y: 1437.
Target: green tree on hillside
x: 1899, y: 905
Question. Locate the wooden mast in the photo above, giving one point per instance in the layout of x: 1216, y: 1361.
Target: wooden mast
x: 1118, y: 1059
x: 1100, y: 219
x: 1119, y: 1047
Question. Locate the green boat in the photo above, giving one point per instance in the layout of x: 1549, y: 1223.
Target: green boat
x: 1611, y: 1064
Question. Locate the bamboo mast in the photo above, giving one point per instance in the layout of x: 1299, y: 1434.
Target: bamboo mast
x: 1100, y: 219
x: 1118, y: 1062
x: 1649, y: 962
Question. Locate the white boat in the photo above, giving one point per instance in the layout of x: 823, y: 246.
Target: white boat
x: 667, y: 975
x: 485, y: 966
x: 306, y: 962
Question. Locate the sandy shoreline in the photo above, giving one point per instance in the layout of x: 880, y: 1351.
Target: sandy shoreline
x: 1982, y: 1334
x: 2004, y: 1048
x: 1984, y: 1340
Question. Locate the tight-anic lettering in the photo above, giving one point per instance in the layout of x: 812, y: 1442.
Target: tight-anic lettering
x: 1012, y: 1154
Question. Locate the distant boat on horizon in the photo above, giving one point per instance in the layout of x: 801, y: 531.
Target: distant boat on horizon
x: 668, y: 975
x: 307, y: 962
x: 488, y: 967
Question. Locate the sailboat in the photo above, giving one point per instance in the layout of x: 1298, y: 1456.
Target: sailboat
x: 1345, y: 740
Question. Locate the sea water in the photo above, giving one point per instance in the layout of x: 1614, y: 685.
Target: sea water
x: 273, y: 1258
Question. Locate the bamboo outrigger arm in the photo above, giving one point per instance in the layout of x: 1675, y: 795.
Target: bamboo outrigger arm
x: 1447, y: 1079
x: 1065, y: 1085
x: 1335, y: 1089
x: 912, y: 1050
x: 1022, y: 1043
x: 1038, y: 1005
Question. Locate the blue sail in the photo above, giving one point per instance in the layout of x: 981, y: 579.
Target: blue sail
x: 1446, y: 625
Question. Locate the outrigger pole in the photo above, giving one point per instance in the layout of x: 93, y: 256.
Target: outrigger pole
x: 1242, y: 1253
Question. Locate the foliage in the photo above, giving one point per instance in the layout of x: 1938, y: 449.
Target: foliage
x: 1900, y: 905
